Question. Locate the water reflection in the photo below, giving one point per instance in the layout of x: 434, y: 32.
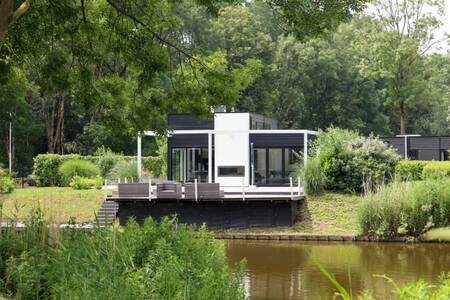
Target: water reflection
x: 283, y: 270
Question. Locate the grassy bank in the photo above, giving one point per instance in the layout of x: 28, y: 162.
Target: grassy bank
x: 327, y: 214
x: 58, y: 205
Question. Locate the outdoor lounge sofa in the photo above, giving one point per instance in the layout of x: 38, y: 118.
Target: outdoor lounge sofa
x: 204, y: 191
x: 168, y: 190
x: 132, y: 190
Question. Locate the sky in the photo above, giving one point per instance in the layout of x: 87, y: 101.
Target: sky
x: 440, y: 33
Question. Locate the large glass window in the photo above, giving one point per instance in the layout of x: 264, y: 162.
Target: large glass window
x: 275, y: 165
x: 189, y: 164
x: 292, y: 158
x: 260, y: 166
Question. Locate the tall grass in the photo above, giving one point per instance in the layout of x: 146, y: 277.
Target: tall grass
x: 406, y: 208
x: 313, y: 177
x: 164, y: 260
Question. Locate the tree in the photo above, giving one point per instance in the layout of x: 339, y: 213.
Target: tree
x: 9, y: 14
x: 392, y: 48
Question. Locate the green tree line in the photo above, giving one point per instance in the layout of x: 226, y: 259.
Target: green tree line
x: 77, y: 75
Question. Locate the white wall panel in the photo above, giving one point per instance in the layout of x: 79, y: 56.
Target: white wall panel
x: 232, y: 149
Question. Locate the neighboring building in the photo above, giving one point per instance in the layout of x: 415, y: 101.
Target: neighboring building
x: 420, y: 147
x: 234, y: 149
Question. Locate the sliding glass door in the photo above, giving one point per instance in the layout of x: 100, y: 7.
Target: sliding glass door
x: 274, y: 165
x: 189, y: 164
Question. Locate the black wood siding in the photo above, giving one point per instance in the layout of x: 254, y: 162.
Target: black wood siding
x: 187, y: 122
x: 215, y: 214
x: 398, y: 143
x: 277, y: 140
x: 188, y: 140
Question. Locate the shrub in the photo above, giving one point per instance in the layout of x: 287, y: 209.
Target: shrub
x: 436, y: 170
x: 75, y: 167
x: 163, y: 260
x: 351, y: 162
x: 124, y: 169
x: 106, y: 160
x: 410, y: 169
x: 84, y: 183
x: 406, y: 208
x: 46, y: 167
x: 312, y: 177
x: 7, y: 184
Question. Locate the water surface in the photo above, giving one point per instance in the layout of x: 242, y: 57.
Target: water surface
x: 284, y: 270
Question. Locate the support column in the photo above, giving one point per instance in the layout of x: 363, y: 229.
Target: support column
x: 139, y: 156
x: 406, y: 147
x: 210, y: 154
x: 305, y: 148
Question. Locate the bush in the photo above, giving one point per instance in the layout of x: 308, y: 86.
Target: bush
x: 7, y: 184
x: 77, y: 167
x: 410, y: 169
x: 312, y: 176
x: 46, y: 166
x: 106, y: 160
x: 406, y: 208
x: 351, y: 162
x: 124, y: 169
x: 436, y: 170
x: 163, y: 260
x: 84, y: 183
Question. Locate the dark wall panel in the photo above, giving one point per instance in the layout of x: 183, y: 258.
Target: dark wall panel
x: 423, y: 143
x: 188, y: 140
x: 277, y: 140
x: 397, y: 143
x: 429, y: 154
x: 215, y: 214
x: 187, y: 122
x: 445, y: 142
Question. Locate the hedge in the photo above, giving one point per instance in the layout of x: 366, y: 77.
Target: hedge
x: 45, y: 168
x: 419, y: 169
x: 410, y: 169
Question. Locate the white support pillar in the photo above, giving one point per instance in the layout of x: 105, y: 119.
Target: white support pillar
x: 139, y: 157
x: 305, y: 148
x: 406, y: 147
x: 210, y: 154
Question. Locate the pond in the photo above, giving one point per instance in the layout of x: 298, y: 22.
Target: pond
x: 284, y: 269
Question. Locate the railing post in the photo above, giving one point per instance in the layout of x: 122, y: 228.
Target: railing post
x: 195, y: 188
x: 291, y: 187
x: 243, y: 188
x: 149, y: 189
x: 126, y: 180
x: 299, y: 187
x: 106, y: 189
x: 118, y: 181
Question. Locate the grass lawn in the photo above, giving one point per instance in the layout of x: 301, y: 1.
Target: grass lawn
x: 327, y: 214
x: 58, y: 204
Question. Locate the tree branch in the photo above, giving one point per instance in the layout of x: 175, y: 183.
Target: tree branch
x: 21, y: 10
x: 154, y: 34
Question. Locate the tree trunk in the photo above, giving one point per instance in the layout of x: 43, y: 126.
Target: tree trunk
x: 402, y: 117
x: 6, y: 13
x: 55, y: 124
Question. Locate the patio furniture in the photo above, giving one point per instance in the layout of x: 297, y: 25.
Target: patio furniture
x: 204, y: 191
x: 168, y: 190
x: 132, y: 190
